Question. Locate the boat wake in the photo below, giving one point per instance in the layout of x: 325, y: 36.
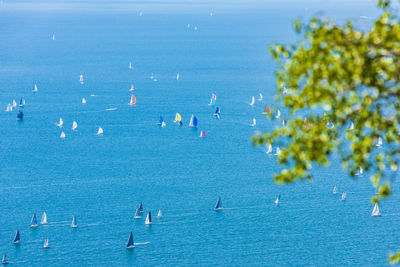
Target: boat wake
x: 109, y: 109
x: 143, y: 243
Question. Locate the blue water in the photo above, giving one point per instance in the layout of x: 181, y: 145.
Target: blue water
x: 102, y: 179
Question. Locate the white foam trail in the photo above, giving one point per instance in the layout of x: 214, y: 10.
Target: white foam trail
x: 144, y: 243
x: 109, y: 109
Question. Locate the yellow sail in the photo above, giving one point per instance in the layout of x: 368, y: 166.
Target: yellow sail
x: 178, y: 117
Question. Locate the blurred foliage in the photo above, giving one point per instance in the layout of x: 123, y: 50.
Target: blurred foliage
x: 334, y: 77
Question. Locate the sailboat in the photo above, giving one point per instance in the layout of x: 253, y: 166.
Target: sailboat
x: 254, y: 122
x: 9, y: 107
x: 218, y: 205
x: 360, y: 171
x: 14, y: 104
x: 133, y: 100
x: 266, y: 110
x: 148, y: 219
x: 159, y: 214
x: 60, y: 123
x: 278, y: 151
x: 130, y: 243
x: 177, y: 76
x: 130, y: 65
x: 100, y: 131
x: 379, y: 143
x: 44, y: 218
x: 22, y: 102
x: 137, y: 214
x: 188, y: 26
x: 193, y: 122
x: 212, y: 100
x: 195, y: 28
x: 35, y: 88
x: 217, y: 112
x: 83, y: 101
x: 20, y: 115
x: 62, y: 135
x: 278, y: 115
x: 375, y: 211
x: 46, y: 243
x: 351, y: 126
x: 283, y: 122
x: 33, y: 221
x: 277, y: 200
x: 285, y: 90
x: 334, y: 190
x: 53, y: 37
x: 73, y: 223
x: 252, y: 101
x: 160, y: 121
x: 17, y: 238
x: 260, y: 97
x: 178, y: 118
x: 344, y: 195
x: 202, y: 134
x: 132, y: 88
x: 5, y: 260
x: 140, y: 208
x: 269, y: 149
x: 74, y: 125
x: 81, y: 78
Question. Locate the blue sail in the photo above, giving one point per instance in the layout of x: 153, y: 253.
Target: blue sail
x: 218, y: 205
x: 33, y: 221
x: 22, y: 102
x: 4, y: 261
x: 17, y: 238
x: 217, y: 111
x: 161, y: 120
x: 140, y: 207
x: 20, y: 115
x: 130, y: 242
x: 194, y: 121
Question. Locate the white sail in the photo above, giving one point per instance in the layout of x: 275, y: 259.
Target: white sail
x: 46, y: 243
x: 254, y: 122
x: 81, y: 78
x: 269, y: 150
x: 130, y: 65
x: 35, y: 89
x: 277, y: 200
x: 148, y: 219
x: 177, y: 76
x: 252, y: 101
x: 83, y: 101
x: 379, y: 143
x: 375, y: 211
x: 278, y: 115
x: 283, y: 122
x: 9, y: 107
x: 100, y: 131
x: 44, y: 218
x: 344, y: 195
x: 351, y: 126
x: 53, y: 37
x: 334, y: 190
x: 60, y: 123
x: 73, y: 223
x: 188, y: 26
x: 62, y: 135
x: 360, y: 171
x: 14, y: 104
x: 278, y: 151
x: 74, y: 125
x: 159, y: 214
x: 260, y: 97
x: 285, y: 90
x: 163, y: 124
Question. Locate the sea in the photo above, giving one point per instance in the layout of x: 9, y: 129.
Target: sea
x: 219, y: 47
